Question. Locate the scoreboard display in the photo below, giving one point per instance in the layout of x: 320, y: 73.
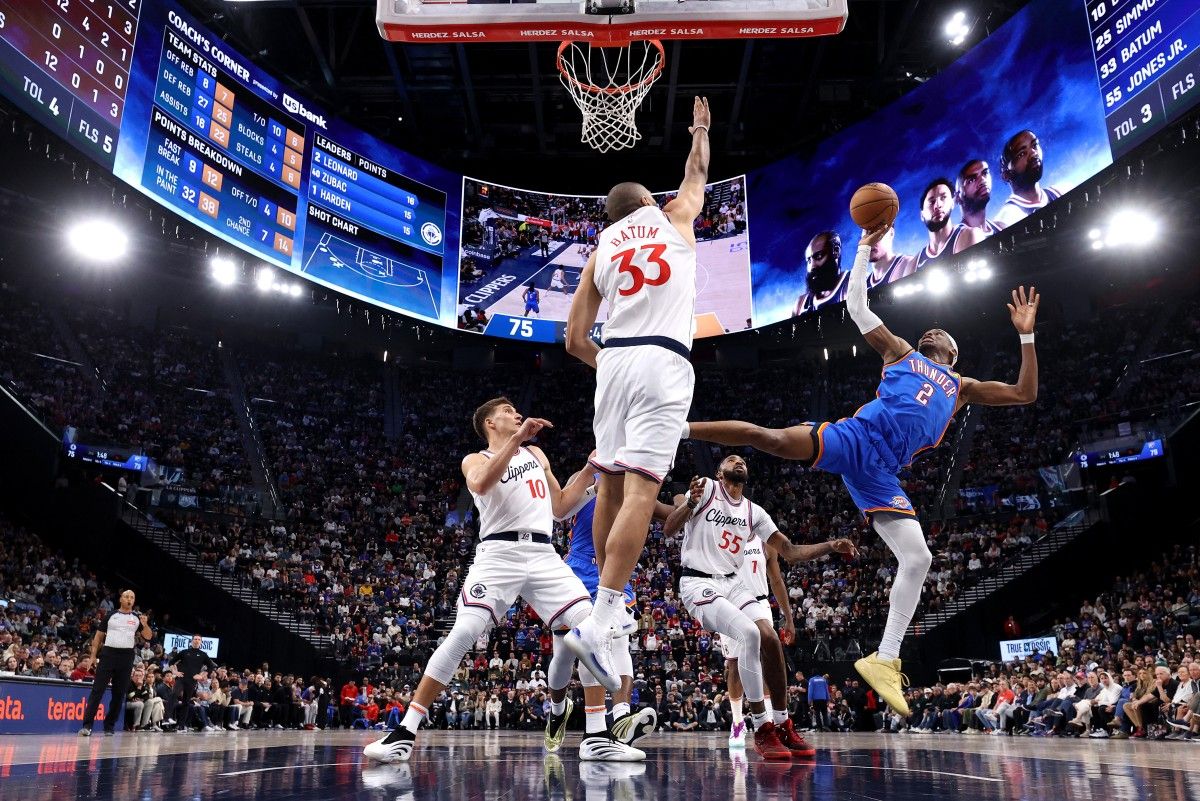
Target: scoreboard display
x: 146, y: 91
x: 67, y: 63
x: 1148, y: 60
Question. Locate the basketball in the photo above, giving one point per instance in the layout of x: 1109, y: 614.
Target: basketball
x: 874, y: 205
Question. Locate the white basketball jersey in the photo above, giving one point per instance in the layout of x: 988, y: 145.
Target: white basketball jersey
x: 715, y: 538
x: 647, y: 273
x: 519, y: 501
x: 753, y: 572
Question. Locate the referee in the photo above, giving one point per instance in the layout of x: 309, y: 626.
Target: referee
x: 116, y: 661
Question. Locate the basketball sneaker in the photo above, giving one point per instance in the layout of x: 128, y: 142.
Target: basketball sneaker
x: 556, y: 727
x: 766, y: 743
x: 555, y: 778
x: 634, y: 726
x: 737, y: 735
x: 396, y: 780
x: 606, y: 748
x: 886, y: 680
x: 792, y: 740
x: 396, y: 747
x: 594, y: 649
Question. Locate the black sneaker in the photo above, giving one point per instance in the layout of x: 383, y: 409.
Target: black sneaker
x: 633, y: 726
x: 556, y: 727
x: 396, y: 747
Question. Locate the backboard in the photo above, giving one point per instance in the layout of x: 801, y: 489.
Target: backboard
x: 560, y: 20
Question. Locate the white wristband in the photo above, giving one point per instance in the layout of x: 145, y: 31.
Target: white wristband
x: 1026, y: 339
x: 687, y: 431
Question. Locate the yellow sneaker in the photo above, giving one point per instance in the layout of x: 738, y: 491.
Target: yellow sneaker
x: 556, y: 727
x: 886, y: 680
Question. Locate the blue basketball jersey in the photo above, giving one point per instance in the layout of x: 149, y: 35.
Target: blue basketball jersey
x: 913, y: 406
x: 582, y: 550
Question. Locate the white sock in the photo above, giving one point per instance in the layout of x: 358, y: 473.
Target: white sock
x: 904, y: 537
x: 558, y: 707
x: 779, y: 718
x: 620, y: 710
x: 735, y: 706
x: 609, y: 605
x: 759, y: 718
x: 594, y: 719
x: 413, y: 717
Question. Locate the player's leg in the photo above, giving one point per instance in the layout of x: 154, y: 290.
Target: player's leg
x: 733, y: 681
x: 795, y: 442
x: 703, y: 599
x: 904, y: 537
x: 629, y: 725
x: 610, y: 493
x: 774, y: 667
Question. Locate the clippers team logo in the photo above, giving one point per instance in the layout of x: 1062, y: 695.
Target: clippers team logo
x: 708, y: 592
x: 478, y: 590
x: 431, y: 234
x: 900, y: 502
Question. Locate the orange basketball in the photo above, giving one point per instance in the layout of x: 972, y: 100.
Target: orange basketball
x: 874, y: 205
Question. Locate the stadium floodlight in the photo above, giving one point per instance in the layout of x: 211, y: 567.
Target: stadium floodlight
x: 957, y: 29
x: 1095, y: 233
x: 98, y: 240
x: 224, y: 271
x: 977, y: 271
x: 1131, y: 227
x: 937, y: 281
x: 264, y: 279
x: 294, y: 290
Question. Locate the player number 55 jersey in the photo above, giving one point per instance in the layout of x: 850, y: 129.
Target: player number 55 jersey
x: 647, y: 273
x: 716, y: 536
x: 519, y: 501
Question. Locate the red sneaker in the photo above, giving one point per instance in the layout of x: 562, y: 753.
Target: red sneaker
x: 766, y: 743
x: 792, y: 741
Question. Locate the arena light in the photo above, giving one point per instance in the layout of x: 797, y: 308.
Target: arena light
x: 224, y: 271
x: 957, y: 29
x: 1126, y: 227
x: 937, y: 281
x: 977, y: 271
x: 264, y: 279
x: 826, y: 350
x: 908, y: 290
x: 98, y: 240
x: 294, y: 290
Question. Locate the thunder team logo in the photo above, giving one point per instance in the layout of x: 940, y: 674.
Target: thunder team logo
x: 900, y: 502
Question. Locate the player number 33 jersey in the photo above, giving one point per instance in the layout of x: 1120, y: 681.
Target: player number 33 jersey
x: 647, y: 273
x: 716, y: 536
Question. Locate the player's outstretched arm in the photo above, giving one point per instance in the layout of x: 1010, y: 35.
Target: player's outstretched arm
x: 566, y: 501
x: 482, y: 473
x: 686, y: 205
x: 780, y: 591
x: 787, y: 443
x: 885, y: 343
x: 585, y: 305
x: 806, y: 553
x: 1023, y: 312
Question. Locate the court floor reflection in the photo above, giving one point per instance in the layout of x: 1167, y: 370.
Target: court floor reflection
x: 306, y: 766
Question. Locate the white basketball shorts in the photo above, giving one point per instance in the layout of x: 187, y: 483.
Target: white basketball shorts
x: 643, y: 395
x: 502, y: 571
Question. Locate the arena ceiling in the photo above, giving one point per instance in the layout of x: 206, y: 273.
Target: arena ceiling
x: 499, y: 110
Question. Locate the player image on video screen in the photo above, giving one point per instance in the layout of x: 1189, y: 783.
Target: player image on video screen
x: 945, y: 238
x: 972, y: 192
x: 825, y: 283
x: 887, y: 265
x: 1021, y: 166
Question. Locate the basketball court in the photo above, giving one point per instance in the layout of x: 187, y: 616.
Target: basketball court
x: 479, y: 766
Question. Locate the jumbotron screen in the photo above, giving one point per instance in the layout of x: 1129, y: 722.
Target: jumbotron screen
x: 1043, y: 103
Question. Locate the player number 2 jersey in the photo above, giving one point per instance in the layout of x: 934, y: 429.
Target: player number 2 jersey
x: 716, y: 536
x: 914, y: 404
x: 519, y: 501
x: 647, y: 273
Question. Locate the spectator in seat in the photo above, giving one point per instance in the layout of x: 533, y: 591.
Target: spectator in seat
x: 347, y: 704
x: 1140, y: 708
x: 241, y: 706
x: 1104, y: 705
x: 492, y: 712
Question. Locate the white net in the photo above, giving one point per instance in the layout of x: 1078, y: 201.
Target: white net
x: 608, y: 84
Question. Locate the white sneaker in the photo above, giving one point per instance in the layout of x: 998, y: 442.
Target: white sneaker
x: 397, y: 778
x: 605, y: 748
x: 594, y: 649
x: 1098, y: 734
x: 396, y: 747
x: 737, y: 735
x: 636, y: 725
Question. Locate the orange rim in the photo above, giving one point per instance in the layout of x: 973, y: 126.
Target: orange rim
x: 613, y: 90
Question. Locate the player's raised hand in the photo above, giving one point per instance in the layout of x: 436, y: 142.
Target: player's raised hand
x: 530, y: 427
x: 695, y: 490
x: 1023, y: 309
x: 872, y: 236
x: 844, y: 547
x: 701, y: 116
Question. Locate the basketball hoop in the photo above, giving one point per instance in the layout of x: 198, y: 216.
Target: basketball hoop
x: 608, y: 84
